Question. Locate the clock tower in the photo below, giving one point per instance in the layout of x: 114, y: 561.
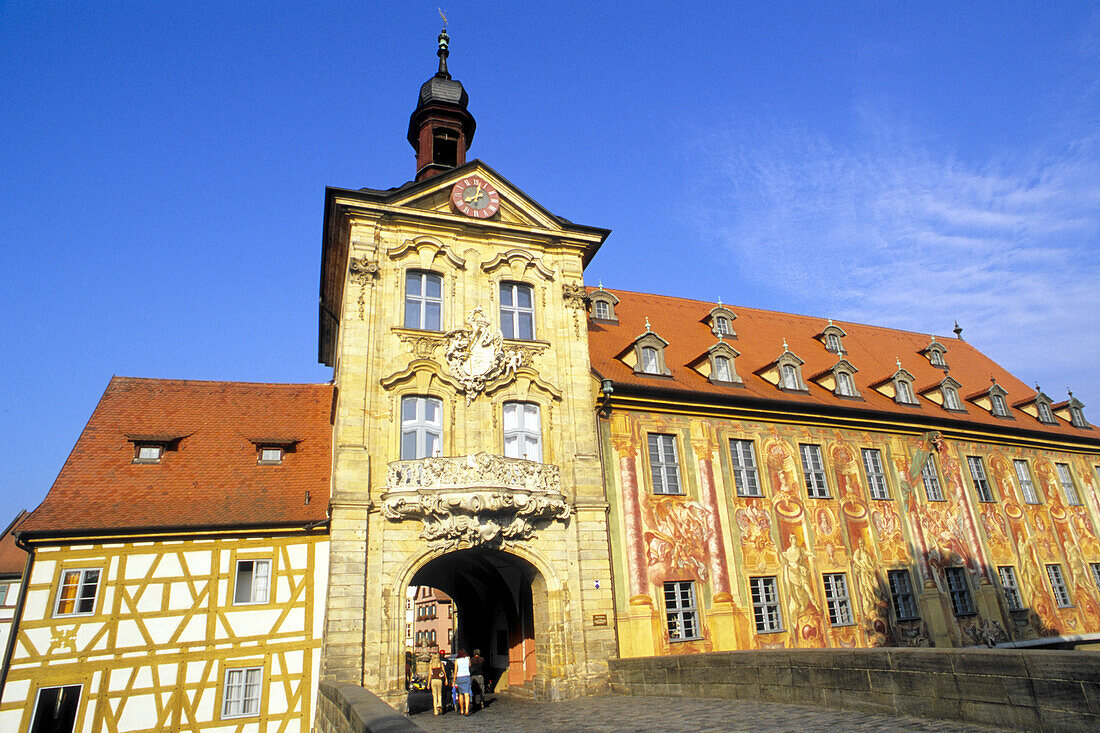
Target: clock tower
x: 440, y: 128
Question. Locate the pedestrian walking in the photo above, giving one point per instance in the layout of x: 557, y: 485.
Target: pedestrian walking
x: 462, y: 681
x: 477, y: 679
x: 437, y: 678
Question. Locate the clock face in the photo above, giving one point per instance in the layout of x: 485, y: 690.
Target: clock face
x: 475, y: 197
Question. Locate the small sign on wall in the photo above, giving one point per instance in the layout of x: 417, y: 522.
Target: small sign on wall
x: 599, y: 619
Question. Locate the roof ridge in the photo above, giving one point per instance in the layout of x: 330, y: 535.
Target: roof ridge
x: 171, y: 380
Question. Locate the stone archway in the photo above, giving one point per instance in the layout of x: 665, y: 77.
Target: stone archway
x: 503, y: 607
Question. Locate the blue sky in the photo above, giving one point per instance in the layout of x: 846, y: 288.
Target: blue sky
x: 164, y: 164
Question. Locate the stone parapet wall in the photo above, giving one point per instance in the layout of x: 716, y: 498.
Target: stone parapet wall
x: 347, y: 708
x: 1020, y: 689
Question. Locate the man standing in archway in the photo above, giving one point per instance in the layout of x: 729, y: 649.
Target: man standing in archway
x: 477, y: 679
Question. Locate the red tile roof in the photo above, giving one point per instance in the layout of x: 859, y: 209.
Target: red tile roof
x: 759, y: 340
x: 209, y: 477
x: 12, y: 558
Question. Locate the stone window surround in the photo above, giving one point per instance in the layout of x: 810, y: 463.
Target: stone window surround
x: 651, y: 340
x: 723, y: 312
x: 935, y: 347
x: 838, y: 333
x: 845, y: 367
x: 788, y: 359
x: 602, y: 296
x: 724, y: 350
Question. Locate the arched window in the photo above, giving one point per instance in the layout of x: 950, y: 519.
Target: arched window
x: 1000, y: 408
x: 722, y: 371
x: 832, y: 342
x: 522, y: 431
x: 1045, y: 413
x: 789, y: 377
x: 844, y: 384
x: 905, y: 392
x: 517, y: 311
x: 603, y: 310
x: 651, y: 363
x: 421, y: 427
x: 951, y: 397
x: 423, y: 300
x: 722, y: 325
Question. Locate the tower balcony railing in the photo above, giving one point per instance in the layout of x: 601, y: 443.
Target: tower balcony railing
x: 476, y: 499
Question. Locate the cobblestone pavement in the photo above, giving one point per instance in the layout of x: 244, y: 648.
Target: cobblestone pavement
x: 622, y: 714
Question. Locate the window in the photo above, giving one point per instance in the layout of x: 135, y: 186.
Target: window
x: 1077, y: 417
x: 1095, y: 568
x: 836, y: 598
x: 77, y: 592
x: 876, y: 476
x: 664, y: 465
x: 522, y: 431
x: 148, y: 453
x: 961, y: 603
x: 423, y: 300
x: 55, y: 709
x: 981, y: 484
x: 651, y: 363
x: 832, y: 342
x: 517, y: 311
x: 845, y: 387
x: 408, y: 631
x: 253, y: 582
x: 813, y: 469
x: 1068, y: 487
x: 951, y: 398
x: 603, y: 310
x: 1023, y: 478
x: 242, y: 692
x: 271, y: 454
x: 722, y: 371
x: 4, y: 594
x: 421, y: 427
x: 789, y: 377
x: 743, y: 459
x: 1045, y: 414
x: 936, y: 357
x: 765, y: 604
x: 1058, y: 585
x: 681, y: 612
x: 722, y: 325
x: 931, y: 481
x: 1000, y: 409
x: 905, y: 392
x: 901, y: 595
x: 1010, y: 587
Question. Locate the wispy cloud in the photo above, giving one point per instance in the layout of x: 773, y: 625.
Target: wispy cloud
x: 890, y: 230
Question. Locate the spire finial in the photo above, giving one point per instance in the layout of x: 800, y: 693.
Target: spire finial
x: 830, y: 321
x: 444, y: 48
x: 719, y: 300
x: 958, y: 330
x: 600, y: 284
x: 648, y: 329
x: 785, y: 347
x: 898, y: 362
x: 1038, y: 388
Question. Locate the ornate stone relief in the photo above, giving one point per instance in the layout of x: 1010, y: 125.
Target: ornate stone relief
x: 476, y: 354
x: 422, y: 346
x: 522, y: 256
x: 363, y: 271
x: 474, y: 500
x: 574, y: 295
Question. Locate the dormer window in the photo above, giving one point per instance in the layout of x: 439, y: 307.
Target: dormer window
x: 718, y: 364
x: 271, y: 454
x: 148, y: 452
x: 936, y: 357
x: 951, y: 399
x: 1077, y: 417
x: 936, y: 353
x: 722, y: 325
x: 722, y: 369
x: 602, y: 305
x: 1045, y: 414
x: 903, y: 392
x: 650, y: 360
x: 1000, y: 408
x: 845, y: 386
x: 832, y: 343
x: 721, y: 321
x: 832, y: 338
x: 789, y: 377
x: 647, y: 354
x: 786, y: 372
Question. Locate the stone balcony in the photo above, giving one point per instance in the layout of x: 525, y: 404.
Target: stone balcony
x: 476, y: 499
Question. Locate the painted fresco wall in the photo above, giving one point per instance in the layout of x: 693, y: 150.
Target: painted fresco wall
x: 719, y: 540
x: 153, y: 654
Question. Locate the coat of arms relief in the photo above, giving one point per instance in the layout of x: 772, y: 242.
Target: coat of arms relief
x: 477, y: 355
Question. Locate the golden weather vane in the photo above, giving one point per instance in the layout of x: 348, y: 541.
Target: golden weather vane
x: 444, y: 17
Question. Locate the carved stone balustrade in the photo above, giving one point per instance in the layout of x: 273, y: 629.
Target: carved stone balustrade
x: 476, y: 500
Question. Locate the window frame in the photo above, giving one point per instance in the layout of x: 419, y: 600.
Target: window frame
x: 523, y: 432
x: 1024, y: 481
x: 423, y: 301
x: 141, y: 446
x: 1094, y: 567
x: 263, y: 460
x: 958, y: 589
x: 269, y: 578
x: 659, y: 467
x: 1010, y: 587
x: 650, y: 366
x: 723, y: 326
x: 930, y: 477
x: 680, y: 612
x: 720, y: 362
x: 1069, y: 486
x: 1077, y: 417
x: 516, y: 310
x: 902, y: 599
x: 838, y: 600
x: 419, y: 427
x: 37, y: 701
x: 813, y: 475
x: 910, y: 393
x: 875, y: 474
x: 1046, y: 412
x: 998, y: 405
x: 951, y: 399
x: 596, y: 304
x: 81, y: 586
x: 745, y: 473
x: 243, y: 685
x: 845, y: 384
x: 766, y: 610
x: 1059, y: 589
x: 980, y: 480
